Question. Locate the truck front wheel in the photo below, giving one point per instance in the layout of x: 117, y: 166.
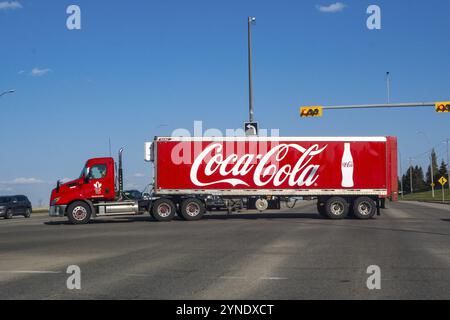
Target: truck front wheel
x: 192, y: 209
x: 163, y: 210
x: 79, y: 213
x: 336, y: 208
x: 364, y: 208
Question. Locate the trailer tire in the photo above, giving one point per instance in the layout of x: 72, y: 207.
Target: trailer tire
x: 364, y: 208
x: 192, y: 209
x: 79, y: 213
x: 336, y: 208
x: 163, y: 210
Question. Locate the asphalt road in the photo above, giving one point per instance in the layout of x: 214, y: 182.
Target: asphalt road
x: 289, y: 255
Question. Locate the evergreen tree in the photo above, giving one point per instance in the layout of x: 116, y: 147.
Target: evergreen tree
x: 418, y: 179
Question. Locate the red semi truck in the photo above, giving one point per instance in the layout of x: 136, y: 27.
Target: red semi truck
x: 347, y: 175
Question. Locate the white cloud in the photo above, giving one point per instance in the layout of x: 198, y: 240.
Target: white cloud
x: 131, y: 186
x: 6, y: 5
x: 139, y: 175
x: 36, y: 72
x: 332, y: 8
x: 22, y: 181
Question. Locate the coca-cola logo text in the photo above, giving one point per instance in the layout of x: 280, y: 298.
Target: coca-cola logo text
x: 266, y: 168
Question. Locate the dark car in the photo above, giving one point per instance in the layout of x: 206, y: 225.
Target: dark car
x: 133, y: 194
x: 15, y: 206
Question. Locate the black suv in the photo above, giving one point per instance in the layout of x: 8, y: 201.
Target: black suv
x: 15, y: 206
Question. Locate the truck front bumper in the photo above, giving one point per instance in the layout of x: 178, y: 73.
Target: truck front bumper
x: 57, y: 211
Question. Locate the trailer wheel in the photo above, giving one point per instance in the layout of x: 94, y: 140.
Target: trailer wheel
x: 336, y: 208
x: 364, y: 208
x: 192, y: 209
x: 79, y: 213
x: 163, y: 210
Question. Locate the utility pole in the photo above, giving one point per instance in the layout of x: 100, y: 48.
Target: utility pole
x: 410, y: 176
x: 250, y: 83
x: 431, y: 161
x: 401, y: 174
x: 432, y: 173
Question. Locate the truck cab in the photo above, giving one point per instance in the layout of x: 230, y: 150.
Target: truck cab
x: 94, y: 193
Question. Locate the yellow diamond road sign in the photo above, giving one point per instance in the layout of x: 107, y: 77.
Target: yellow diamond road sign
x: 442, y: 181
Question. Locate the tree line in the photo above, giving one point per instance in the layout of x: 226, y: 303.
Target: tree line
x: 422, y: 181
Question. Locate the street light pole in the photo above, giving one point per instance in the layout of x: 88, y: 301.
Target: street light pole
x: 7, y: 91
x: 250, y: 83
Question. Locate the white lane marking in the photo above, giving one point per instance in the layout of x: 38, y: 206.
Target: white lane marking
x: 273, y: 278
x: 233, y: 277
x: 138, y: 275
x: 250, y: 278
x: 30, y: 271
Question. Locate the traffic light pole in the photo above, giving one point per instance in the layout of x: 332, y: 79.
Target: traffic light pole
x: 448, y: 166
x: 385, y: 105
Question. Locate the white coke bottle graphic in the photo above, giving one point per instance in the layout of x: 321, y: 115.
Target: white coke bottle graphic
x: 347, y: 167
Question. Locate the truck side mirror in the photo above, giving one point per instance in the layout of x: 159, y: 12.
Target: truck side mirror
x: 86, y: 176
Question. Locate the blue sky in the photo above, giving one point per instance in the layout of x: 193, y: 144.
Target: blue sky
x: 138, y: 69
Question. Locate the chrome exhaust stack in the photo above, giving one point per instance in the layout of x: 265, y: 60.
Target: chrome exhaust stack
x: 120, y: 174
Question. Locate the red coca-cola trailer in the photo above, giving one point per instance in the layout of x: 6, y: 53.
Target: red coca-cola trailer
x: 346, y: 175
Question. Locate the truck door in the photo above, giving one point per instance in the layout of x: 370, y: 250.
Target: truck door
x: 97, y: 184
